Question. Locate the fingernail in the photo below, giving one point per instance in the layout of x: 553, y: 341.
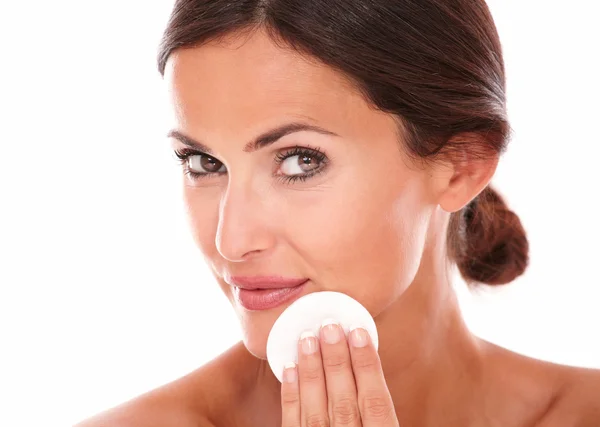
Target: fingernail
x: 308, y: 341
x: 358, y: 337
x: 289, y: 372
x: 331, y: 331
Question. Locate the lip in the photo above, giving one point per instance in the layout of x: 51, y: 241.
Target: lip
x: 265, y: 282
x: 267, y: 298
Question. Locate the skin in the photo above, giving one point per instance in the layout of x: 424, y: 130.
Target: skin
x: 371, y: 225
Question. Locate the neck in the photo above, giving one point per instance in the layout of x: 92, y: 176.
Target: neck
x: 431, y: 361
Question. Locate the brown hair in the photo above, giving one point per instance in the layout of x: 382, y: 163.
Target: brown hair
x: 436, y: 65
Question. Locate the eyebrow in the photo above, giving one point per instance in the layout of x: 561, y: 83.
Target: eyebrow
x: 265, y: 139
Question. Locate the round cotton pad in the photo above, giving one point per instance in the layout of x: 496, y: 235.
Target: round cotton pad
x: 307, y: 313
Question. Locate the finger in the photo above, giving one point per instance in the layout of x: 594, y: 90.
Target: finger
x: 339, y: 379
x: 313, y: 395
x: 374, y: 400
x: 290, y: 397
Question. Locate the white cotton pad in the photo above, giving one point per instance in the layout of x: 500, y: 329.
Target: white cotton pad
x: 307, y: 313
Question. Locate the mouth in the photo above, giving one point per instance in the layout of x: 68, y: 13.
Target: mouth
x: 262, y: 293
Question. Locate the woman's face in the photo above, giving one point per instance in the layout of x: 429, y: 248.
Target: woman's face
x: 341, y: 208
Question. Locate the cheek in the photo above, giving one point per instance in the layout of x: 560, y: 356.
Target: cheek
x: 370, y: 249
x: 202, y: 211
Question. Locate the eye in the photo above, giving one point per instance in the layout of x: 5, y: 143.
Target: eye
x: 299, y: 164
x: 199, y: 165
x: 204, y: 164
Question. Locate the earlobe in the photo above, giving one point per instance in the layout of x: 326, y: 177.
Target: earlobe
x: 470, y: 177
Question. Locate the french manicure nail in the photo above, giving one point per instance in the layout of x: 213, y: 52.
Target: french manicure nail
x: 308, y: 341
x: 331, y: 331
x: 358, y: 337
x: 289, y: 372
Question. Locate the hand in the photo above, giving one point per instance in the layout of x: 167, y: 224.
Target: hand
x: 334, y: 385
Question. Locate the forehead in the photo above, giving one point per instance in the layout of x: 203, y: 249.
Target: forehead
x: 247, y: 80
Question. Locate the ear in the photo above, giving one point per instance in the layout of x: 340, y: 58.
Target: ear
x: 462, y: 177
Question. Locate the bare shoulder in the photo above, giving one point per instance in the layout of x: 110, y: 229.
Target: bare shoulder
x: 190, y: 401
x: 578, y: 404
x: 546, y: 394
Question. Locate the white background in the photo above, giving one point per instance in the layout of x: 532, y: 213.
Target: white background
x: 103, y: 293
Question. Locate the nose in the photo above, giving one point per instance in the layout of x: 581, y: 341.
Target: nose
x: 243, y: 231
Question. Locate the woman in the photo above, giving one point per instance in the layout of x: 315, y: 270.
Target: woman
x: 348, y: 146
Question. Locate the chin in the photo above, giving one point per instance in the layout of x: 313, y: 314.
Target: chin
x: 256, y: 350
x: 255, y: 327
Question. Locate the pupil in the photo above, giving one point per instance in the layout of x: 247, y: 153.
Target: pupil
x: 210, y: 164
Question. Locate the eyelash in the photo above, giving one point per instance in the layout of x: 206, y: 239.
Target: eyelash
x: 184, y: 154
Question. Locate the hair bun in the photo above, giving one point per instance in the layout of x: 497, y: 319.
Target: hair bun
x: 492, y: 247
